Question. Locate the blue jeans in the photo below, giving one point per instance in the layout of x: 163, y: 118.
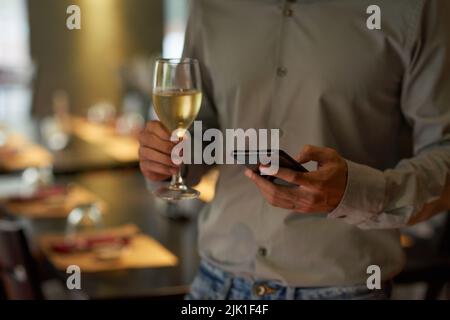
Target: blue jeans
x: 212, y: 283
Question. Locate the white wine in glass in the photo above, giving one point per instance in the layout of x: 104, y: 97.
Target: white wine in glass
x: 177, y: 109
x: 177, y: 97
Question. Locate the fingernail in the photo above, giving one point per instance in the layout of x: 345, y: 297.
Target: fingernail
x: 248, y: 173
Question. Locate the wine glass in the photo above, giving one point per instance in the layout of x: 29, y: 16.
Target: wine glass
x: 177, y: 98
x: 83, y: 218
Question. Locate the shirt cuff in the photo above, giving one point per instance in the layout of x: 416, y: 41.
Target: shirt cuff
x: 363, y: 197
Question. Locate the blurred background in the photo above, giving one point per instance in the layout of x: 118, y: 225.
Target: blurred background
x: 71, y: 105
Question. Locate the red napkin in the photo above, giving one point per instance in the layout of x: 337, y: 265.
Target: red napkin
x: 90, y: 242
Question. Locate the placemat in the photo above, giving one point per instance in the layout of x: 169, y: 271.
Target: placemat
x: 142, y: 252
x: 58, y: 206
x: 18, y: 153
x: 122, y: 148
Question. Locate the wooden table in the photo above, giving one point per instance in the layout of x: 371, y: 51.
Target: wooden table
x: 82, y: 155
x: 129, y: 202
x: 95, y: 146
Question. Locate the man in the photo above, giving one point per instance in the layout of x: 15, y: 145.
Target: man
x: 349, y: 98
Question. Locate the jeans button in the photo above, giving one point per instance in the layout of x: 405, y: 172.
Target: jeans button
x: 260, y: 290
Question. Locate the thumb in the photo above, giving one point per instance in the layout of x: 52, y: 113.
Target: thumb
x: 314, y: 153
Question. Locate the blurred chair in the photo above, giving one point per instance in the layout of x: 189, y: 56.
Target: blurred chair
x: 429, y: 262
x: 21, y: 277
x: 18, y: 272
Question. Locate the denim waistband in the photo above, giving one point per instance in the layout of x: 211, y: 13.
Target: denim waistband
x: 278, y: 289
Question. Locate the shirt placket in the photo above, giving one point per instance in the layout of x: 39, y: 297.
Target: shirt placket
x: 280, y: 74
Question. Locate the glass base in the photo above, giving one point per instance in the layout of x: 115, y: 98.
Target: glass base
x: 176, y: 192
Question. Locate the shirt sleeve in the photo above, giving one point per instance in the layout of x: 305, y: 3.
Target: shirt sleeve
x: 390, y: 198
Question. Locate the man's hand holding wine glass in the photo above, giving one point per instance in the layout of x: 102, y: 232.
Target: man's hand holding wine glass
x: 154, y: 152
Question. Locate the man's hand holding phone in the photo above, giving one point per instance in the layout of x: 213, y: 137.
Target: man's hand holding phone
x: 316, y: 191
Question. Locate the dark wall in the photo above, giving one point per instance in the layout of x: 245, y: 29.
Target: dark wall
x: 85, y: 62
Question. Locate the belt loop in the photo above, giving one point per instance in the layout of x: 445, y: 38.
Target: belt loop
x: 226, y: 288
x: 290, y: 293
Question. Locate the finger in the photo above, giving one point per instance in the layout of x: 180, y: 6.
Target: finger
x: 148, y: 154
x: 268, y: 194
x: 275, y: 191
x: 158, y: 129
x: 157, y: 168
x: 314, y: 153
x: 310, y: 197
x: 151, y: 140
x: 303, y: 201
x: 298, y: 178
x: 307, y: 190
x: 299, y: 199
x: 277, y: 201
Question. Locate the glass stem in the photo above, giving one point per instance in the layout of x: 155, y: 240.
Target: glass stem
x: 177, y: 179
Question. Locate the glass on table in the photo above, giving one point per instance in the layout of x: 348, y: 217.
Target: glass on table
x: 84, y: 218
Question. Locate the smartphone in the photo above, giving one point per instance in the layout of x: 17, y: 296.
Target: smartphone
x: 251, y: 159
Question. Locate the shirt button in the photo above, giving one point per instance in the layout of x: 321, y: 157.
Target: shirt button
x: 281, y: 72
x: 287, y: 12
x: 262, y: 252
